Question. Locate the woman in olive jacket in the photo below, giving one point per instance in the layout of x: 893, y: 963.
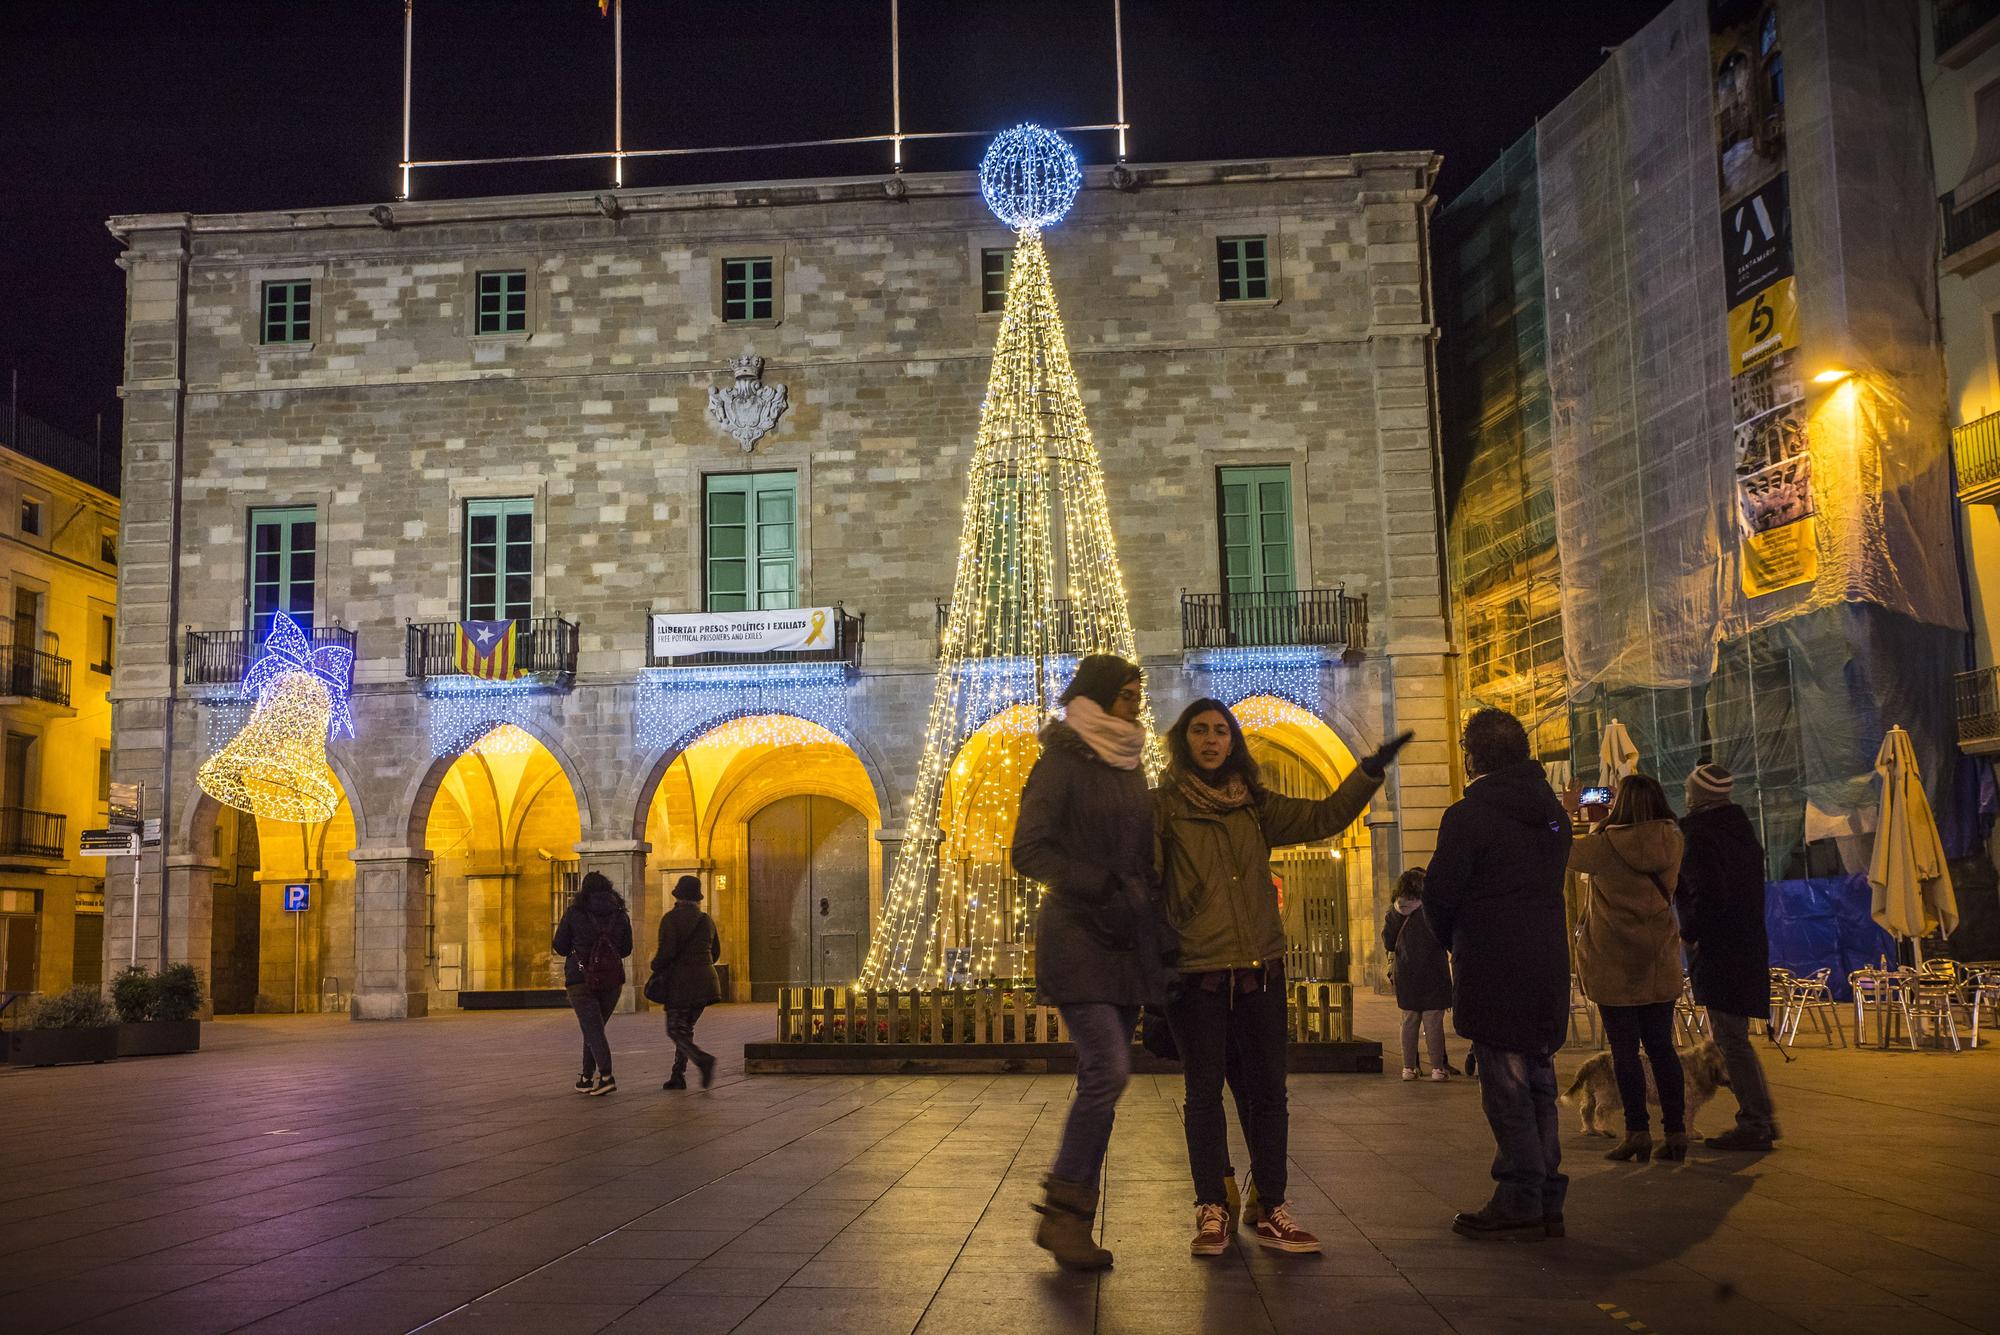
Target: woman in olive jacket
x: 1629, y: 955
x: 1216, y: 825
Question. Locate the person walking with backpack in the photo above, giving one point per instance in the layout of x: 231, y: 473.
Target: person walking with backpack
x: 1721, y: 903
x: 684, y: 979
x: 1423, y: 975
x: 593, y: 938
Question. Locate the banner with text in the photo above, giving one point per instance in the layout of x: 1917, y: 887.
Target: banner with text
x: 792, y: 630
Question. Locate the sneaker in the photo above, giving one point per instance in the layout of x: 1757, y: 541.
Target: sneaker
x: 1409, y: 1073
x: 1211, y: 1231
x: 1439, y: 1075
x: 675, y: 1081
x: 605, y: 1085
x: 1275, y: 1228
x: 583, y: 1084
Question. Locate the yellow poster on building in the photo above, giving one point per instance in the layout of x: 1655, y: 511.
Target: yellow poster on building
x: 1778, y: 558
x: 1767, y: 323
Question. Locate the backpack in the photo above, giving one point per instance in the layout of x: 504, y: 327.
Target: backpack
x: 602, y: 968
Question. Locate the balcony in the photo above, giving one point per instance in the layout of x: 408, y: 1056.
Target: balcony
x: 1063, y: 636
x: 221, y: 657
x: 1971, y: 233
x: 30, y: 674
x: 1962, y: 29
x: 1976, y: 697
x: 1325, y: 617
x: 32, y: 834
x: 544, y: 649
x: 1975, y: 452
x: 847, y: 635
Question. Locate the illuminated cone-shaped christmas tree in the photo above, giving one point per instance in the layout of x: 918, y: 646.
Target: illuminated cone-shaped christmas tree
x: 1037, y: 586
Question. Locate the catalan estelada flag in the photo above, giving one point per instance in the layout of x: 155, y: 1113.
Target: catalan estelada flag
x: 486, y: 649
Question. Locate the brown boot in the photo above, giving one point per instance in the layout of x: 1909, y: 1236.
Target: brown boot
x: 1636, y: 1145
x: 1675, y: 1148
x: 1068, y: 1210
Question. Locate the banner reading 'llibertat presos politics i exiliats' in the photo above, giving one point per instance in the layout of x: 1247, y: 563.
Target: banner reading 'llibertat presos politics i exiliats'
x: 1774, y: 491
x: 791, y: 630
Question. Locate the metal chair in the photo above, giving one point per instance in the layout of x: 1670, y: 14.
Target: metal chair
x: 1691, y: 1021
x: 1781, y: 1003
x: 1582, y: 1016
x: 1982, y: 990
x: 1888, y: 993
x: 1812, y: 996
x: 1932, y: 1002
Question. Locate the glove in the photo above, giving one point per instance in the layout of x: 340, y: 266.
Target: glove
x: 1376, y: 765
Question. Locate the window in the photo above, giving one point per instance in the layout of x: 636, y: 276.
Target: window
x: 500, y: 559
x: 103, y: 642
x: 747, y: 289
x: 104, y: 785
x: 282, y: 567
x: 752, y: 555
x: 1256, y: 513
x: 288, y: 312
x: 1244, y: 268
x: 107, y: 547
x: 995, y: 268
x: 31, y: 517
x: 503, y: 302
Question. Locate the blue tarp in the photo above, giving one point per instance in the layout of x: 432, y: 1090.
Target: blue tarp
x: 1823, y: 923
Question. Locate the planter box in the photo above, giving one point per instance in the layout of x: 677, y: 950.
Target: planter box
x: 157, y: 1038
x: 56, y: 1047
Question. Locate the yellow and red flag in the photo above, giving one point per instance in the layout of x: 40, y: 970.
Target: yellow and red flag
x: 486, y: 649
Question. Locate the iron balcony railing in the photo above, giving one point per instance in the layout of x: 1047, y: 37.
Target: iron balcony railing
x: 1953, y: 21
x: 221, y: 657
x: 1976, y: 695
x: 1975, y: 450
x: 35, y: 834
x: 33, y: 674
x: 544, y: 647
x: 1063, y: 636
x: 1327, y: 617
x: 848, y: 630
x: 1966, y: 227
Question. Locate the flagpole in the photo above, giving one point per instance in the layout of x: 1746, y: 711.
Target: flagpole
x: 618, y: 93
x: 896, y: 80
x: 408, y: 26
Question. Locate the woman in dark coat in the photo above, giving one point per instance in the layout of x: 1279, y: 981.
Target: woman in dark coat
x: 684, y: 979
x: 1423, y: 975
x: 593, y: 977
x: 1086, y: 832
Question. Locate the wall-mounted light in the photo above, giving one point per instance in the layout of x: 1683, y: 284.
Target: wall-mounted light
x: 1832, y: 375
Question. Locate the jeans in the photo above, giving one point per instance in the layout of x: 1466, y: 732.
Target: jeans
x: 1211, y: 1028
x: 681, y: 1021
x: 592, y: 1010
x: 1432, y: 1023
x: 1102, y: 1034
x: 1652, y: 1025
x: 1754, y: 1112
x: 1518, y: 1092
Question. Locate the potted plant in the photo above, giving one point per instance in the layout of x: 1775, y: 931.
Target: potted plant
x: 73, y: 1026
x: 156, y: 1011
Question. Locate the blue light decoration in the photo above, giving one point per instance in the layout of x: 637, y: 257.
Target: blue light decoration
x: 779, y: 704
x: 1029, y: 177
x: 1291, y: 674
x: 274, y: 766
x: 989, y: 687
x: 474, y: 714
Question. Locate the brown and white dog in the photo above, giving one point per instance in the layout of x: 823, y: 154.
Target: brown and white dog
x: 1594, y: 1092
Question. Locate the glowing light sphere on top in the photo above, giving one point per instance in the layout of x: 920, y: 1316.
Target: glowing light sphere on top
x: 1029, y: 177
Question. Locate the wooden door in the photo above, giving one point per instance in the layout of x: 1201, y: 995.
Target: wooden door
x: 808, y: 894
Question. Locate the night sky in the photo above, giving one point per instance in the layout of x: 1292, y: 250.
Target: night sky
x: 156, y: 105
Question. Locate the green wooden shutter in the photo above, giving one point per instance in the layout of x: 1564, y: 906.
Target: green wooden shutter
x: 752, y: 552
x: 1256, y: 508
x: 282, y: 574
x: 500, y: 559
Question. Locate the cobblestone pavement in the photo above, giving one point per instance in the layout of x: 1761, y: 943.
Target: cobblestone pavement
x: 313, y: 1175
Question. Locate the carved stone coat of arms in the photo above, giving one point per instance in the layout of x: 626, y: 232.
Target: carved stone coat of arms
x: 749, y: 408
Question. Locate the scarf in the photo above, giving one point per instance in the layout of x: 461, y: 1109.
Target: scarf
x: 1211, y: 800
x: 1406, y: 905
x: 1117, y: 743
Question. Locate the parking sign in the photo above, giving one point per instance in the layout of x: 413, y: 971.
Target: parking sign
x: 298, y: 898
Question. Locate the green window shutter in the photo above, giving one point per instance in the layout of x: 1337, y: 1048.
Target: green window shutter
x: 288, y: 312
x: 748, y: 288
x: 752, y: 552
x: 282, y: 575
x: 1255, y: 505
x: 995, y: 268
x: 1243, y: 268
x: 503, y: 302
x: 500, y: 559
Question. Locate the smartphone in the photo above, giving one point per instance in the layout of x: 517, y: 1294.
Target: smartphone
x: 1596, y: 797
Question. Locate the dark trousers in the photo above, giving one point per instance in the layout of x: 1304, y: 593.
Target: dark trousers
x: 1102, y: 1035
x: 1517, y: 1090
x: 592, y: 1010
x: 1754, y: 1112
x: 1211, y: 1027
x: 681, y: 1021
x: 1652, y: 1026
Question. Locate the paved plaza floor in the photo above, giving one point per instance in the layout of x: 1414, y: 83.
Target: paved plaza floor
x: 311, y: 1175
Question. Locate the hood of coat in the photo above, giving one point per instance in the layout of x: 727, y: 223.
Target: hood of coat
x: 1650, y: 846
x: 1520, y: 793
x: 1725, y: 823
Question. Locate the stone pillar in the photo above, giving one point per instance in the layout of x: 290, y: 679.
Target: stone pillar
x: 624, y: 861
x: 190, y: 880
x: 389, y: 961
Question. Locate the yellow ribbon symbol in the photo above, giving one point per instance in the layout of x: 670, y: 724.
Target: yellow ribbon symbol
x: 818, y: 629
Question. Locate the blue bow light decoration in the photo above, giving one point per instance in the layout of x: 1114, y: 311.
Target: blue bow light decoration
x: 287, y: 649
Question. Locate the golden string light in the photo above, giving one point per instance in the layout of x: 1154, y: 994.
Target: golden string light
x: 275, y: 766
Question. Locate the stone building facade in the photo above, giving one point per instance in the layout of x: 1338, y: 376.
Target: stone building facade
x: 387, y: 417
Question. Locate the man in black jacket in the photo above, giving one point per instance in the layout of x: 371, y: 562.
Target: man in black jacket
x: 1494, y: 895
x: 1721, y: 903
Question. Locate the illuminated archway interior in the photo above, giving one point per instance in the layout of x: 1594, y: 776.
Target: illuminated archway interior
x: 265, y: 957
x: 986, y: 929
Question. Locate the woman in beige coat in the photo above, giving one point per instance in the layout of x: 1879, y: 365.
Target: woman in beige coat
x: 1629, y: 955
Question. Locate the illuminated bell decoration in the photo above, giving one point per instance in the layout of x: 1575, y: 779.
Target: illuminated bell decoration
x: 275, y: 767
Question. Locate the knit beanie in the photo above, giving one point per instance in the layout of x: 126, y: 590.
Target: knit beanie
x: 1099, y: 678
x: 1709, y: 784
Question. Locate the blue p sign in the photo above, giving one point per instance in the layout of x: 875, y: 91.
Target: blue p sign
x: 298, y: 898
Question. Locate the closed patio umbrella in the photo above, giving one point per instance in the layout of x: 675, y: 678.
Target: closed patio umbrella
x: 1908, y: 874
x: 1616, y: 755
